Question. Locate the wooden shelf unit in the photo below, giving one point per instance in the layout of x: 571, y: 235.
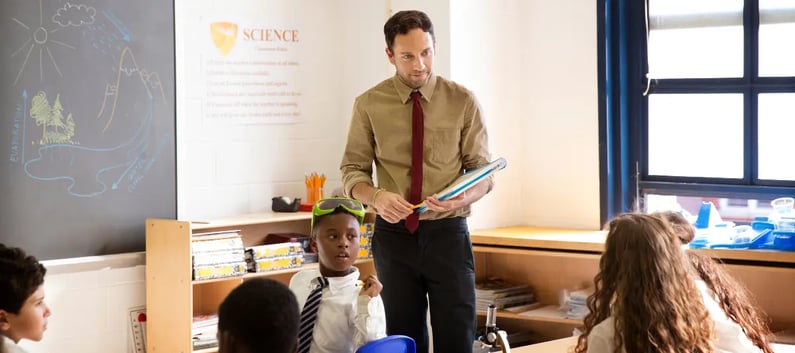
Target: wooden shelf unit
x: 553, y: 259
x: 173, y: 298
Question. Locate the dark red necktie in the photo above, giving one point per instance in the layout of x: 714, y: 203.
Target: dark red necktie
x: 417, y: 130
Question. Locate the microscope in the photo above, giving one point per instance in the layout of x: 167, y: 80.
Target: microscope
x: 493, y: 339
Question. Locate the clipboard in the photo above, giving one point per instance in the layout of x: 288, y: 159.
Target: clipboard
x: 466, y: 181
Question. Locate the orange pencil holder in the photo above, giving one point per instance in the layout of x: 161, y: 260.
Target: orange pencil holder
x: 313, y: 194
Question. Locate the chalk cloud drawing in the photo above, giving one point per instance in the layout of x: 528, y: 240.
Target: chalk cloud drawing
x: 74, y: 15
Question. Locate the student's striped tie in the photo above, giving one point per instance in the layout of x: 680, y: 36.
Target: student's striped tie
x: 309, y: 314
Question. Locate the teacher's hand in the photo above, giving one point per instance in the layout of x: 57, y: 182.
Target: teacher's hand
x: 437, y: 205
x: 391, y: 206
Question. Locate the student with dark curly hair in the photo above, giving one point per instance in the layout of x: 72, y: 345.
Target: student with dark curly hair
x: 258, y: 316
x: 23, y: 313
x: 649, y: 298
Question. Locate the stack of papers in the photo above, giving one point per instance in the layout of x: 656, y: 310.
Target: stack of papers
x: 204, y: 329
x: 575, y: 303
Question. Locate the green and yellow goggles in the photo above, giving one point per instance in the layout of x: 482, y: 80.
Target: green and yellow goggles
x: 326, y: 206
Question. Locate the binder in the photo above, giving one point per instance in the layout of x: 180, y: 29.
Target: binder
x: 466, y: 181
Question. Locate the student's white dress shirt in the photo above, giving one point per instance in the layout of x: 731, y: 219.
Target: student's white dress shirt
x: 729, y: 335
x: 10, y: 346
x: 345, y: 319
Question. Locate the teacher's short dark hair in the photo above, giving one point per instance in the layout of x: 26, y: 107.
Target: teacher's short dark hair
x: 404, y: 21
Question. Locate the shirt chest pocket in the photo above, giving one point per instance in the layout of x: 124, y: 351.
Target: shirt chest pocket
x: 445, y: 145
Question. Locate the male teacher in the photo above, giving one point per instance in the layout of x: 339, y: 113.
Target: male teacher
x: 422, y: 131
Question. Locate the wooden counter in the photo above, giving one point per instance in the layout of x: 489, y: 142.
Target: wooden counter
x: 550, y: 259
x: 564, y: 345
x: 593, y: 241
x: 541, y: 238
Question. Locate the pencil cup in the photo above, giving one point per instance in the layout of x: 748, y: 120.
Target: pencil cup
x: 313, y: 194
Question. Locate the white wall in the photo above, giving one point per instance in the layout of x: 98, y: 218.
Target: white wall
x: 532, y: 64
x: 487, y: 59
x: 560, y: 113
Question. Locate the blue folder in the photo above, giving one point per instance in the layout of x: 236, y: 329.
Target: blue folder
x: 466, y: 181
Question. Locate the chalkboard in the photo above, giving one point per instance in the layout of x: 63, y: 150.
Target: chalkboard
x: 87, y: 123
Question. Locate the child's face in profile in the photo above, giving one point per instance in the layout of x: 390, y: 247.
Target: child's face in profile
x: 31, y: 321
x: 336, y: 240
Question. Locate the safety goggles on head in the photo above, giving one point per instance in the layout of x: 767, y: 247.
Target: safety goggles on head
x: 326, y: 206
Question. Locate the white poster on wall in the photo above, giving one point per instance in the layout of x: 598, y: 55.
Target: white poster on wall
x: 251, y: 63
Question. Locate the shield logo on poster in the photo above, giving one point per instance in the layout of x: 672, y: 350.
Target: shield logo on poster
x: 224, y: 35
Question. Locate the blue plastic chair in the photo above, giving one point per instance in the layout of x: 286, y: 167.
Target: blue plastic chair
x: 390, y: 344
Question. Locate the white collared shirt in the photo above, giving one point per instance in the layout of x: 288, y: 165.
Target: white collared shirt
x: 10, y: 346
x: 729, y: 335
x: 345, y: 319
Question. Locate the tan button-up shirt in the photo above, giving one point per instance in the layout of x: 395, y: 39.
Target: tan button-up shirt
x: 380, y: 131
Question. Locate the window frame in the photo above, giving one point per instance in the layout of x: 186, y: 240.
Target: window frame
x: 623, y: 154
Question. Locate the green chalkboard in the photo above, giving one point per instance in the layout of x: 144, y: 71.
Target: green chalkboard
x: 87, y: 118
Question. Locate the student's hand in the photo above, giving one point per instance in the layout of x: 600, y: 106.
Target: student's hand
x: 392, y: 207
x: 372, y: 286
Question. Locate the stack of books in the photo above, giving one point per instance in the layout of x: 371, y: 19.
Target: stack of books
x: 217, y: 254
x: 204, y: 329
x: 504, y: 295
x: 277, y: 256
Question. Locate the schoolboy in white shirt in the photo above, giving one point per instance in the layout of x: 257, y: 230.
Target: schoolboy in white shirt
x: 350, y: 312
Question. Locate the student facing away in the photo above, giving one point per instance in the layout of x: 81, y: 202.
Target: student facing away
x: 258, y: 316
x: 733, y: 298
x: 350, y: 312
x: 649, y: 298
x: 23, y: 313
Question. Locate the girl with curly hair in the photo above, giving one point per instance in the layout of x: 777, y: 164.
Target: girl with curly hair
x: 649, y: 298
x: 732, y: 296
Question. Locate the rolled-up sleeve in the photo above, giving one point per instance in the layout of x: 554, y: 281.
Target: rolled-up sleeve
x: 475, y: 139
x: 357, y: 160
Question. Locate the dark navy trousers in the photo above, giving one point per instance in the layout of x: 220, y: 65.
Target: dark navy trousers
x: 436, y: 261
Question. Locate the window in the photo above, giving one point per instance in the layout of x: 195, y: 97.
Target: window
x: 697, y: 104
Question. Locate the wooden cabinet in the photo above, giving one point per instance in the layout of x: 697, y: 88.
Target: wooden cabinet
x: 553, y: 259
x: 173, y: 298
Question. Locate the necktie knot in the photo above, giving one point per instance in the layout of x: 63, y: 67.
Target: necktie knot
x: 416, y: 95
x: 320, y: 282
